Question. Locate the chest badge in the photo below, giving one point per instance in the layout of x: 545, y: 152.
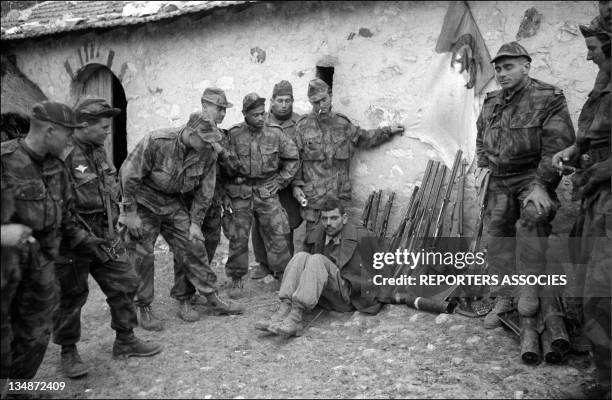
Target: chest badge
x: 81, y: 168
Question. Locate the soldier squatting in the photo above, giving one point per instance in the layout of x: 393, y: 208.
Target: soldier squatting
x: 67, y: 213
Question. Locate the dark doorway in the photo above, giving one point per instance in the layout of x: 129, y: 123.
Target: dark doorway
x: 326, y: 74
x: 98, y: 80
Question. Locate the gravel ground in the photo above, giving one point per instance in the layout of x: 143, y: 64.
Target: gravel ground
x: 400, y: 352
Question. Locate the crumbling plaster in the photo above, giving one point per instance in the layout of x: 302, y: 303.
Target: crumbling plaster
x: 384, y: 78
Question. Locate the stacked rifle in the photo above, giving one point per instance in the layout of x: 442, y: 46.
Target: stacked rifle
x: 371, y: 217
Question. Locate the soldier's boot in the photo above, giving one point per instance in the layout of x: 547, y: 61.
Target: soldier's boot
x: 149, y: 321
x: 260, y: 271
x: 236, y: 289
x: 128, y: 345
x: 528, y: 302
x: 502, y: 304
x: 291, y: 324
x: 187, y: 312
x: 71, y: 363
x: 221, y: 305
x: 276, y: 318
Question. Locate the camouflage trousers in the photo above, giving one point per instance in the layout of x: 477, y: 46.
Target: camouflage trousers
x: 312, y: 279
x: 194, y: 272
x: 118, y: 281
x: 29, y: 297
x: 211, y: 229
x: 273, y: 228
x: 518, y: 236
x: 596, y: 249
x: 292, y: 207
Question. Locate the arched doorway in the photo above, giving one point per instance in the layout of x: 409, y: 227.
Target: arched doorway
x: 98, y: 80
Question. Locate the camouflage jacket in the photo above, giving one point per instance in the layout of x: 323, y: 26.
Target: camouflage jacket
x: 326, y: 148
x: 521, y: 133
x: 594, y: 127
x: 287, y: 125
x: 161, y: 170
x: 260, y: 155
x: 95, y: 181
x: 43, y: 198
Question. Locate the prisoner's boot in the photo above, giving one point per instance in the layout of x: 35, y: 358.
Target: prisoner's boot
x: 223, y: 306
x: 72, y: 365
x: 276, y: 318
x: 502, y: 304
x: 260, y: 271
x: 236, y: 289
x: 291, y: 324
x: 128, y: 345
x: 187, y: 312
x: 149, y: 321
x: 528, y: 302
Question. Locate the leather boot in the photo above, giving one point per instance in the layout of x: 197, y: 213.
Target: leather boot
x: 223, y: 306
x: 291, y: 324
x: 149, y: 321
x: 131, y: 346
x: 260, y: 271
x: 277, y: 317
x: 72, y: 365
x: 529, y: 301
x: 236, y: 290
x: 187, y: 312
x: 502, y: 304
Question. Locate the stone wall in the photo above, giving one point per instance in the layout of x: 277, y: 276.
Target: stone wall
x: 384, y: 59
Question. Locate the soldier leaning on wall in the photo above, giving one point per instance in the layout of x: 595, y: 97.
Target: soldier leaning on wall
x: 590, y: 156
x: 327, y: 141
x: 518, y: 131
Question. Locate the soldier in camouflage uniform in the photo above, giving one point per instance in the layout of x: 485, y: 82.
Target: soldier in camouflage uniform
x: 214, y: 105
x: 165, y: 166
x: 42, y: 195
x: 96, y: 195
x: 281, y: 114
x: 591, y: 154
x: 327, y: 142
x: 264, y: 161
x: 519, y: 129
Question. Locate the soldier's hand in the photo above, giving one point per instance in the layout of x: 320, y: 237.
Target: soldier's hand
x: 564, y: 157
x: 15, y: 234
x: 195, y: 233
x: 298, y: 194
x: 397, y: 129
x: 540, y: 199
x: 273, y: 187
x: 133, y: 223
x: 92, y: 248
x: 217, y: 147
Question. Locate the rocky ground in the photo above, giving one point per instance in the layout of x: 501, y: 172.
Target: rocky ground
x: 400, y: 352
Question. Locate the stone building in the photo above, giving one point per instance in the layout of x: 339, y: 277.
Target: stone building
x: 153, y: 59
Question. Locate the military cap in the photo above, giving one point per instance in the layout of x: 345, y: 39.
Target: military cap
x: 251, y: 101
x: 597, y: 26
x: 94, y: 107
x: 317, y: 88
x: 216, y: 96
x: 203, y: 128
x: 512, y: 49
x: 58, y: 113
x: 282, y: 88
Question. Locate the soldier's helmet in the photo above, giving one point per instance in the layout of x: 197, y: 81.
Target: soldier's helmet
x: 512, y: 49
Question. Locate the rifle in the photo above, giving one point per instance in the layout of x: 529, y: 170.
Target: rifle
x: 385, y: 222
x: 482, y: 201
x: 424, y: 219
x: 425, y: 199
x: 400, y: 230
x: 460, y: 196
x: 374, y: 211
x: 446, y: 199
x: 366, y: 210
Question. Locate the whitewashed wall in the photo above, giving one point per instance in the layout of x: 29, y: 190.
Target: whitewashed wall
x: 390, y: 74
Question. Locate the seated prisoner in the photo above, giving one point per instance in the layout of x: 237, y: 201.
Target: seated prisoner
x: 328, y: 272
